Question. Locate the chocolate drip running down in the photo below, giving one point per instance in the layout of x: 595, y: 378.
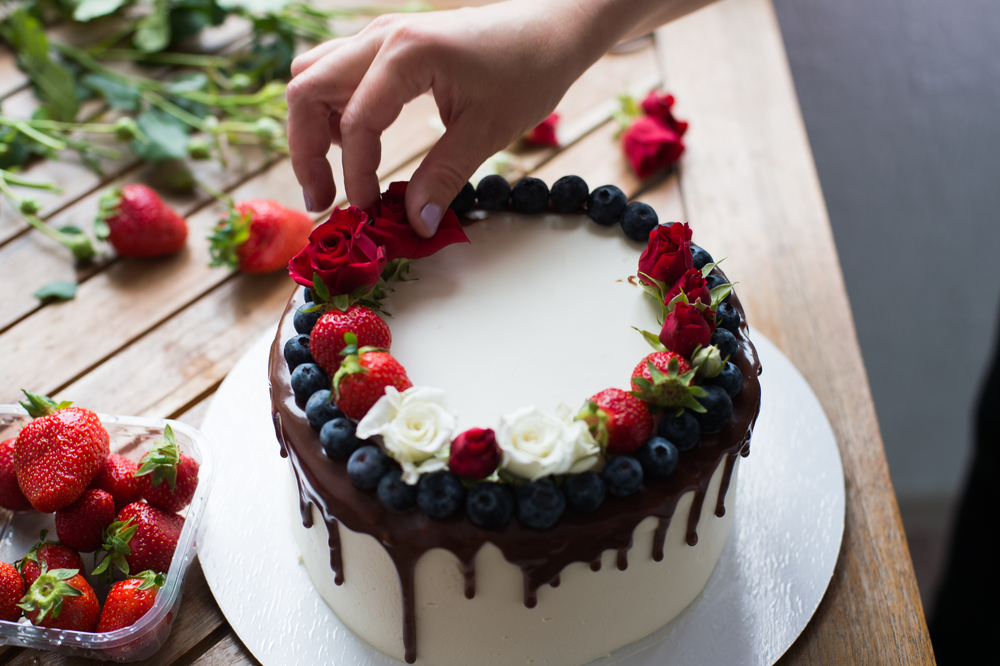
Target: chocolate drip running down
x: 541, y: 555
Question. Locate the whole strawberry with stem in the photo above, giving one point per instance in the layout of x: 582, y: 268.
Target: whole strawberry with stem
x: 363, y: 376
x: 81, y: 524
x: 117, y: 477
x: 129, y: 600
x: 58, y: 453
x: 143, y: 537
x: 167, y: 478
x: 11, y: 591
x: 259, y: 236
x: 619, y: 421
x: 138, y: 223
x: 61, y: 599
x: 11, y: 496
x: 47, y: 554
x: 663, y: 379
x: 326, y: 341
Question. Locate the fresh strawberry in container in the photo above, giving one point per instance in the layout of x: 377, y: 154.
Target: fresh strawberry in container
x: 49, y: 555
x: 167, y: 478
x: 81, y: 524
x: 11, y: 591
x: 138, y: 223
x: 259, y: 236
x: 143, y: 537
x: 117, y: 478
x: 11, y: 497
x: 62, y: 599
x: 129, y: 600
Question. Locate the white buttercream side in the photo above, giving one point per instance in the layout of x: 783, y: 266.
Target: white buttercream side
x: 589, y: 615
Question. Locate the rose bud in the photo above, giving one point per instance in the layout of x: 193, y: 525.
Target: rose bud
x: 694, y: 287
x: 667, y: 256
x: 684, y: 329
x: 474, y: 454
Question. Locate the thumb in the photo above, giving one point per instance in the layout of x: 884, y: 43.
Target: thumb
x: 444, y: 171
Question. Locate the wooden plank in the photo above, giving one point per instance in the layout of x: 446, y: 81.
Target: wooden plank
x: 750, y: 186
x: 227, y: 652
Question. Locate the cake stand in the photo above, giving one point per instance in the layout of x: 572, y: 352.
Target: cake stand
x: 769, y: 580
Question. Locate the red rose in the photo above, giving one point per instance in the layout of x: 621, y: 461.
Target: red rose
x: 475, y: 454
x: 667, y: 256
x: 545, y: 133
x: 339, y: 252
x: 686, y: 328
x: 694, y: 287
x: 651, y: 145
x: 390, y: 229
x: 660, y: 107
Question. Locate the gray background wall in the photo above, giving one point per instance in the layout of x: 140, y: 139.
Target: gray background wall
x: 901, y: 100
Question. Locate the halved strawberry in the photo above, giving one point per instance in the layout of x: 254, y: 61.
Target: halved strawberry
x: 663, y: 379
x: 619, y: 421
x: 326, y: 341
x: 363, y: 376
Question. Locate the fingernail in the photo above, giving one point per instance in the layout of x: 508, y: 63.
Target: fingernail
x: 431, y: 217
x: 308, y: 199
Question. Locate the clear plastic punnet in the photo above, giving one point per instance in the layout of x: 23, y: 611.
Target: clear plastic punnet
x: 131, y: 437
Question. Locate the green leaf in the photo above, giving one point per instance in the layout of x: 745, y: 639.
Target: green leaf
x: 652, y: 339
x: 152, y: 33
x: 117, y: 94
x: 54, y: 84
x: 60, y: 291
x: 188, y: 82
x: 320, y: 290
x: 90, y: 9
x: 720, y: 293
x: 254, y: 6
x: 164, y: 137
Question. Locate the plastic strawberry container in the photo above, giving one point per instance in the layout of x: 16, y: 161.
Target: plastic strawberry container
x: 130, y: 437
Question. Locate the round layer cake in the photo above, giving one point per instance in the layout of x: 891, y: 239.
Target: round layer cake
x: 535, y: 311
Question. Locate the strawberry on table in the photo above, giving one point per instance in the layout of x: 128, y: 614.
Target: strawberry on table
x: 619, y: 421
x: 58, y: 453
x: 117, y: 478
x: 11, y: 591
x: 138, y: 223
x: 167, y: 478
x: 326, y: 341
x: 363, y: 376
x: 81, y: 524
x: 129, y: 600
x: 47, y: 554
x: 61, y: 599
x: 11, y: 496
x: 259, y: 236
x: 143, y: 537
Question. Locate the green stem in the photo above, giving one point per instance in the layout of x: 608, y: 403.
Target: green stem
x: 177, y: 112
x: 57, y: 125
x: 25, y: 128
x: 8, y: 177
x: 183, y: 59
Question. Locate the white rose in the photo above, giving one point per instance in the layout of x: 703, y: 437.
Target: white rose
x: 535, y: 445
x: 416, y: 428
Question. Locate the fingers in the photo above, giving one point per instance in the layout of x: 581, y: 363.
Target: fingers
x: 306, y: 60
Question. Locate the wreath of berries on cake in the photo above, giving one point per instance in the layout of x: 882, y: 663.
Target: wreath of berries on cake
x: 400, y: 441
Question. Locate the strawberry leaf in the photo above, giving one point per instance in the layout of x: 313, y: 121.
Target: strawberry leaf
x: 60, y: 290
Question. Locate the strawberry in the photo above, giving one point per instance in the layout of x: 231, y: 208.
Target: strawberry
x: 117, y: 478
x: 663, y: 379
x: 11, y: 591
x: 143, y: 537
x: 326, y: 341
x: 58, y: 453
x: 138, y: 223
x: 61, y: 599
x: 81, y: 524
x: 259, y: 236
x: 129, y: 600
x: 11, y: 496
x: 47, y: 554
x: 165, y: 463
x: 619, y: 421
x: 363, y: 376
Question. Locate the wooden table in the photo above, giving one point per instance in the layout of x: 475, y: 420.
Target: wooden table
x: 157, y: 338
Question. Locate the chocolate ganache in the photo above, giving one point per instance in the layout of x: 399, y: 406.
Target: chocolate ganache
x: 540, y: 554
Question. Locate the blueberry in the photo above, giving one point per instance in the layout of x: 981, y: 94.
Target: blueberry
x: 367, y: 466
x: 623, y: 474
x: 718, y: 406
x: 465, y: 200
x: 714, y: 280
x: 682, y: 430
x: 585, y: 492
x: 568, y: 194
x: 321, y: 408
x: 730, y: 379
x: 726, y: 342
x: 297, y: 351
x: 639, y: 220
x: 540, y: 504
x: 727, y: 317
x: 658, y: 458
x: 396, y: 494
x: 338, y: 438
x: 304, y: 321
x: 440, y: 494
x: 493, y: 192
x: 489, y: 505
x: 529, y: 196
x: 307, y: 378
x: 606, y: 205
x: 307, y: 294
x: 700, y: 256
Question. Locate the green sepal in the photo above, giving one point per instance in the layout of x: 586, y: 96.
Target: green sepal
x: 669, y: 389
x: 652, y: 339
x: 32, y: 555
x: 227, y: 237
x: 150, y: 579
x: 116, y: 547
x: 596, y: 420
x: 46, y: 594
x: 108, y: 207
x: 42, y: 405
x: 161, y: 461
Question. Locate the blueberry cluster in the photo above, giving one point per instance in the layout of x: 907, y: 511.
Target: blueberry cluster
x: 607, y: 205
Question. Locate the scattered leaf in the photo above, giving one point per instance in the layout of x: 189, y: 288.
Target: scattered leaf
x: 165, y: 137
x: 60, y: 291
x: 117, y: 94
x: 53, y: 82
x: 91, y: 9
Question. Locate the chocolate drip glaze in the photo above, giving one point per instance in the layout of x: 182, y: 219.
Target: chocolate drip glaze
x: 541, y: 555
x: 727, y: 475
x: 469, y: 571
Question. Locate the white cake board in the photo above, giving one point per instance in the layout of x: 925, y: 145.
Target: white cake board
x: 769, y: 580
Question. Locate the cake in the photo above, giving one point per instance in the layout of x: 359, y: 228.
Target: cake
x: 446, y: 590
